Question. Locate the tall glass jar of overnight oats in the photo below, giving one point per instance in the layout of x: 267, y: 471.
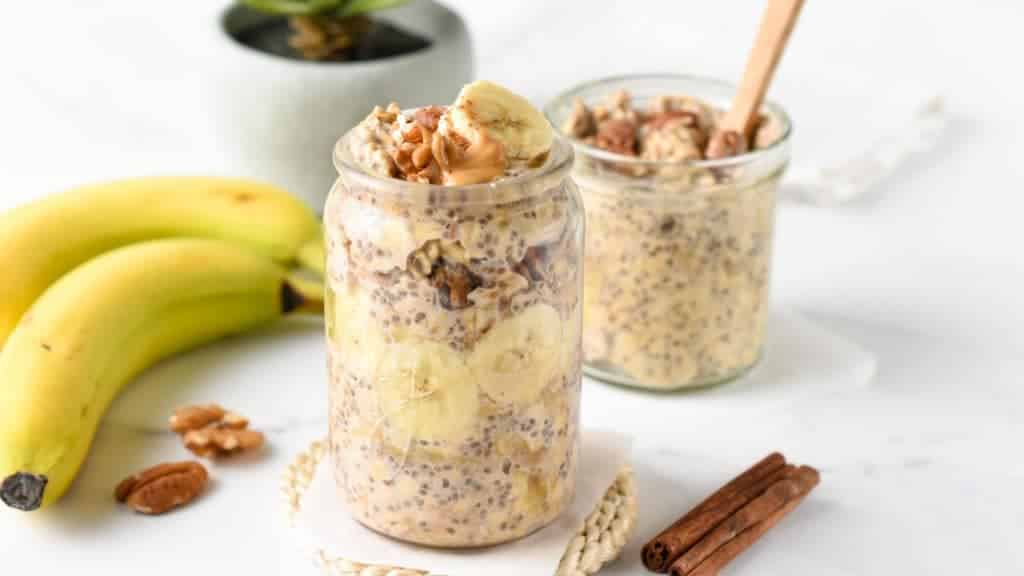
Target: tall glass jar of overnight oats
x: 454, y: 312
x: 679, y: 228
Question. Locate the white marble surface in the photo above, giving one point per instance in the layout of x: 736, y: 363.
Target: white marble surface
x: 921, y: 465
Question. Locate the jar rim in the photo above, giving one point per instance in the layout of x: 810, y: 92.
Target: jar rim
x: 567, y: 97
x: 558, y: 164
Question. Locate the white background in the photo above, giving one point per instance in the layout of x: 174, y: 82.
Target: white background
x: 922, y: 467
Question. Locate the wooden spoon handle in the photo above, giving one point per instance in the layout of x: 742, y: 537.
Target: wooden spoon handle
x: 776, y: 24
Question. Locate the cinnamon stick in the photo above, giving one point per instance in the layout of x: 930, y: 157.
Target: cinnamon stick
x: 748, y: 524
x: 665, y: 548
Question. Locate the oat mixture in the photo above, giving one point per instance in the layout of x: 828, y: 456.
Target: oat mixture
x: 453, y: 331
x: 677, y: 256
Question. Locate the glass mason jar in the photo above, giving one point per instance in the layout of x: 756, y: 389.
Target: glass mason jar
x: 678, y: 253
x: 453, y: 333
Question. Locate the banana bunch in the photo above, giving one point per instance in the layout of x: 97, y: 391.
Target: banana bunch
x: 104, y: 281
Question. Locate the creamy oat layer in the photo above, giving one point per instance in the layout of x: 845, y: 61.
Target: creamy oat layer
x: 453, y: 330
x: 677, y: 268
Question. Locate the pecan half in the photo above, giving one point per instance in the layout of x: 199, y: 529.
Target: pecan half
x: 162, y: 488
x: 684, y: 117
x: 617, y: 135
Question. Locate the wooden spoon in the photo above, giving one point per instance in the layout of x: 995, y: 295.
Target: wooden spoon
x: 776, y: 24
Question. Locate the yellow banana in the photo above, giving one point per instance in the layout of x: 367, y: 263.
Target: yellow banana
x: 101, y: 325
x: 41, y: 241
x: 313, y: 254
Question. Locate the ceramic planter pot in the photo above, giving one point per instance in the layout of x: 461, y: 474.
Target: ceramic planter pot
x: 277, y: 119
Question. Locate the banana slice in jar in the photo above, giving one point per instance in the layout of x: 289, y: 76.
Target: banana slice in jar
x: 426, y: 394
x: 486, y: 109
x: 520, y: 356
x: 353, y: 332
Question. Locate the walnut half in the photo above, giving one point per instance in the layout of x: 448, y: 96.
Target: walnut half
x: 221, y: 442
x: 212, y: 432
x: 454, y: 282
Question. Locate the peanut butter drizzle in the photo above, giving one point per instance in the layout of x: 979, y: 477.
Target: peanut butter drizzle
x: 483, y: 161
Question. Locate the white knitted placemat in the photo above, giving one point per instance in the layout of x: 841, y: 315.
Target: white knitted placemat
x: 598, y: 540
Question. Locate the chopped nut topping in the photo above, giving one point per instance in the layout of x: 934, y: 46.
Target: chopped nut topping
x: 410, y: 147
x: 672, y: 137
x: 387, y: 115
x: 162, y: 488
x: 672, y: 128
x: 580, y: 123
x: 429, y: 116
x: 621, y: 106
x: 618, y: 136
x: 413, y: 135
x: 726, y: 143
x: 422, y: 156
x: 403, y: 159
x: 681, y: 117
x: 440, y: 149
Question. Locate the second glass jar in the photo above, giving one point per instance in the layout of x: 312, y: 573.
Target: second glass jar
x: 678, y: 254
x: 453, y: 324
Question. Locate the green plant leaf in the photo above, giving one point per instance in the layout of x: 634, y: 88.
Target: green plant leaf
x: 297, y: 7
x: 363, y: 6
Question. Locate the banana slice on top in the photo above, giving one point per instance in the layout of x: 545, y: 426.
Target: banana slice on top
x: 426, y: 392
x: 486, y: 108
x: 519, y: 356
